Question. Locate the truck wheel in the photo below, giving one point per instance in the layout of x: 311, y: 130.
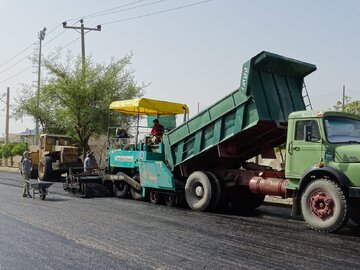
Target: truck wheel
x: 45, y: 169
x: 324, y: 205
x: 121, y: 189
x: 84, y: 191
x: 136, y: 195
x: 170, y: 200
x: 154, y: 197
x: 356, y: 219
x: 198, y: 191
x: 217, y: 189
x: 241, y: 199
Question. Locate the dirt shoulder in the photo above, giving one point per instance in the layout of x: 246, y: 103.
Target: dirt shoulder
x: 9, y: 169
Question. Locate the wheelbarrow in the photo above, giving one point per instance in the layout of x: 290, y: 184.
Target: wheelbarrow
x: 40, y: 188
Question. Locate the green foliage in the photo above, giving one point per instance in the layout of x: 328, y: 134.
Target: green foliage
x: 6, y: 150
x: 12, y: 149
x: 353, y: 107
x: 18, y: 149
x: 74, y: 101
x: 350, y: 106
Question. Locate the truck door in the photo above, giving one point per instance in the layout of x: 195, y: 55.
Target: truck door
x: 303, y: 151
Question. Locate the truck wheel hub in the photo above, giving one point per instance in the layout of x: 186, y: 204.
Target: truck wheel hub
x: 322, y: 205
x: 199, y: 191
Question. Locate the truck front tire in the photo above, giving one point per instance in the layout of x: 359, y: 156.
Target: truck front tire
x: 324, y: 205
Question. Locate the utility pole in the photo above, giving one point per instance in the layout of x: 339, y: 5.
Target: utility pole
x: 7, y: 115
x: 41, y: 36
x: 7, y: 120
x: 82, y: 29
x: 343, y: 103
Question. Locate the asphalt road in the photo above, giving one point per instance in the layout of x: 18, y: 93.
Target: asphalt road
x: 67, y: 232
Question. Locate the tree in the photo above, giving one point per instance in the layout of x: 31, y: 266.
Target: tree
x: 350, y: 106
x: 76, y: 101
x: 18, y: 149
x: 1, y: 155
x: 6, y: 152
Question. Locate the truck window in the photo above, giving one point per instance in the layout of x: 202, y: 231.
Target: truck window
x: 300, y: 130
x: 342, y: 129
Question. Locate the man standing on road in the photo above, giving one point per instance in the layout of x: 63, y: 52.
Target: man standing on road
x: 88, y: 163
x: 26, y: 170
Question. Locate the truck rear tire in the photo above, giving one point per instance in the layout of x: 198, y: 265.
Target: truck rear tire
x: 218, y: 190
x: 45, y: 169
x: 198, y: 191
x: 356, y: 219
x: 324, y: 205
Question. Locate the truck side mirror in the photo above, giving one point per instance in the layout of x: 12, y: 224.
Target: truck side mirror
x: 308, y: 133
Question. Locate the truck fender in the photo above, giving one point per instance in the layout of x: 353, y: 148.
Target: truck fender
x: 318, y: 172
x: 330, y: 172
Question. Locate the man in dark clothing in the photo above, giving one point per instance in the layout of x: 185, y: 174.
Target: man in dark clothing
x: 26, y: 170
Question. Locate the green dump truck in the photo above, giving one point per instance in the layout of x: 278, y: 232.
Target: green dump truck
x: 206, y: 159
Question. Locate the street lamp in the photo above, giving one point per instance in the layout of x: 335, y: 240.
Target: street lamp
x: 41, y: 36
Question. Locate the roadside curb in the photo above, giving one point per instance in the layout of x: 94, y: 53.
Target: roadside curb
x: 9, y: 169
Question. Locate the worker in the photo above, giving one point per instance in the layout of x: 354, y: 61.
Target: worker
x: 157, y: 132
x: 88, y: 162
x: 26, y: 170
x: 121, y: 133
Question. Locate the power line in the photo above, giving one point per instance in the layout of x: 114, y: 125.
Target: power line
x: 110, y: 11
x: 22, y: 59
x: 24, y: 50
x: 55, y: 37
x: 12, y: 58
x: 158, y: 12
x: 127, y: 9
x: 99, y: 12
x: 17, y: 74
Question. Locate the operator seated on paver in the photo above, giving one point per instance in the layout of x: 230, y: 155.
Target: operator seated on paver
x: 121, y: 133
x: 157, y: 132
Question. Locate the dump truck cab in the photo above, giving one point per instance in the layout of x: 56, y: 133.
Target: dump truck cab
x: 322, y: 167
x: 325, y: 141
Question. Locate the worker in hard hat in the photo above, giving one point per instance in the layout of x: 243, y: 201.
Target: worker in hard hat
x: 26, y: 171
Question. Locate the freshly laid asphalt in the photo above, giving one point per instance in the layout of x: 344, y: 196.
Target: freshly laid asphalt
x: 67, y: 232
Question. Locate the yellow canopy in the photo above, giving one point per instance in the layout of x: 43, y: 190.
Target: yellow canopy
x: 147, y: 106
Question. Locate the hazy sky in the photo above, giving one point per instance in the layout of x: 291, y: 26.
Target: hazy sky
x: 193, y: 54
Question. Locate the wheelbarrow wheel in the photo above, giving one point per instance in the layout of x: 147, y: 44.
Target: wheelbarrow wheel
x: 43, y: 193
